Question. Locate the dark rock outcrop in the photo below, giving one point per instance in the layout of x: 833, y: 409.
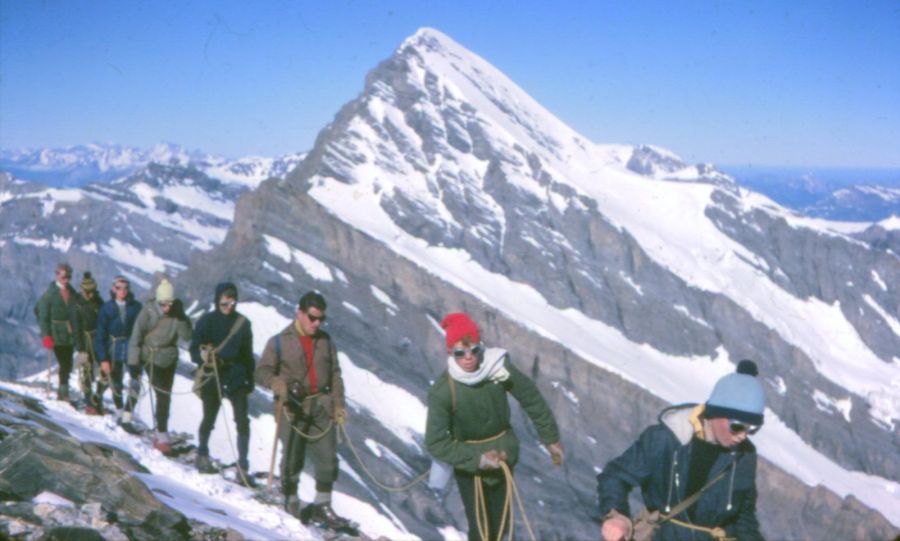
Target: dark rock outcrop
x: 38, y: 456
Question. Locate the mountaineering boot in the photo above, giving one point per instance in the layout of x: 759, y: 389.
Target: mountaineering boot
x: 63, y: 393
x: 204, y: 464
x: 95, y: 404
x: 162, y: 443
x: 292, y: 506
x: 243, y: 477
x: 127, y: 423
x: 92, y: 405
x: 323, y: 516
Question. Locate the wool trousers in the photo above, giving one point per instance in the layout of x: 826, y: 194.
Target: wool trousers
x: 64, y: 359
x: 322, y: 450
x: 211, y: 405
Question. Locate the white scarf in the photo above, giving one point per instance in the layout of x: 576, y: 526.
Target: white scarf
x: 491, y: 368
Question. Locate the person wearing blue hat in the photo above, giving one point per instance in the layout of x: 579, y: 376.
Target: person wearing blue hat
x: 696, y: 469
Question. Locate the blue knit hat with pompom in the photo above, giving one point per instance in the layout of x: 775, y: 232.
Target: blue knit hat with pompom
x: 738, y: 396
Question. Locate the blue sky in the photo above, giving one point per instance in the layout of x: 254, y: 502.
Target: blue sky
x: 736, y: 83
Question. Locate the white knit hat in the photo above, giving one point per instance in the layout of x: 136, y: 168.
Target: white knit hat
x: 165, y: 291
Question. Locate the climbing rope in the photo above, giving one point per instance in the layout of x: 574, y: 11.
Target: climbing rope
x: 234, y: 452
x: 481, y: 513
x: 342, y: 431
x: 716, y: 533
x: 302, y: 434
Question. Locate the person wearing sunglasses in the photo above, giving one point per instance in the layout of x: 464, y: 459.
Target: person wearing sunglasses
x: 60, y: 325
x: 300, y: 366
x: 222, y: 347
x: 468, y: 422
x: 153, y: 347
x: 696, y: 469
x: 115, y: 322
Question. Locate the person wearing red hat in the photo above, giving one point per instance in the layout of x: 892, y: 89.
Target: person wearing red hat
x: 468, y: 425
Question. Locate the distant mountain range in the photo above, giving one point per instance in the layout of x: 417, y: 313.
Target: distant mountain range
x: 845, y: 194
x: 77, y: 166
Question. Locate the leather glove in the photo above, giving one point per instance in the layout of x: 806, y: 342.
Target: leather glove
x: 81, y: 358
x: 340, y: 416
x: 48, y: 342
x: 490, y: 460
x: 279, y: 387
x: 134, y: 370
x: 557, y: 453
x: 105, y: 366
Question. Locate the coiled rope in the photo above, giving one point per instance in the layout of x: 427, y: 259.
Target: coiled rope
x: 481, y: 513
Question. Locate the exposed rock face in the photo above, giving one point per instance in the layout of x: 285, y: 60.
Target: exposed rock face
x: 37, y: 456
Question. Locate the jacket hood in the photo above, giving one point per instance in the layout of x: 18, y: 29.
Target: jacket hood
x: 222, y: 287
x: 678, y: 420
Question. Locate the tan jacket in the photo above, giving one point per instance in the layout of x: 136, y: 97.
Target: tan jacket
x: 292, y: 365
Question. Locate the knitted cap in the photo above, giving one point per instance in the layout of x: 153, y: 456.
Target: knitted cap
x: 165, y: 291
x: 88, y: 283
x: 738, y: 396
x: 458, y: 326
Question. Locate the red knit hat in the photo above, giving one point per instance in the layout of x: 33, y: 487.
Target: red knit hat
x: 458, y: 326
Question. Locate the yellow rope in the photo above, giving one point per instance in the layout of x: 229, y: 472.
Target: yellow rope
x: 342, y: 430
x: 311, y: 437
x: 716, y: 533
x: 481, y: 515
x: 485, y: 440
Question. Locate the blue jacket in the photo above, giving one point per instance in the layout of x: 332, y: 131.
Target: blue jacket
x: 237, y: 365
x: 658, y: 463
x: 110, y: 325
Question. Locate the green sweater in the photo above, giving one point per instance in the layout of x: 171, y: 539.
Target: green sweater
x: 480, y: 412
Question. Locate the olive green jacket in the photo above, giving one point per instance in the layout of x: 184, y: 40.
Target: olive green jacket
x: 59, y: 319
x: 480, y: 412
x: 155, y: 337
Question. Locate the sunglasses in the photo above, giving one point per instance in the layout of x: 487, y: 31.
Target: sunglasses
x: 737, y: 427
x: 64, y: 276
x: 120, y: 287
x: 227, y: 304
x: 164, y: 304
x: 313, y: 318
x: 475, y: 350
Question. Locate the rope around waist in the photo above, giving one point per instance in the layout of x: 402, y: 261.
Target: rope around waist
x: 491, y: 438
